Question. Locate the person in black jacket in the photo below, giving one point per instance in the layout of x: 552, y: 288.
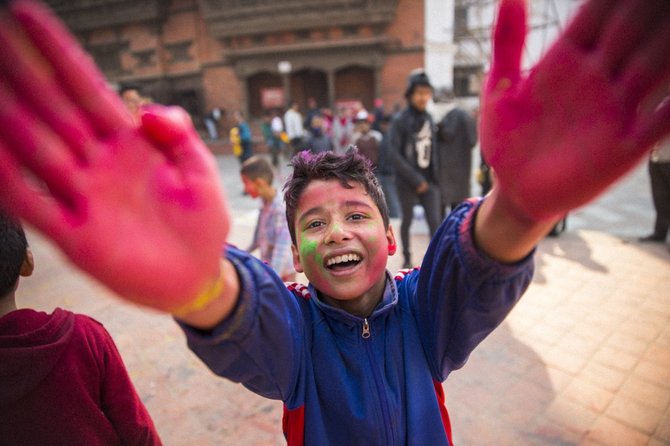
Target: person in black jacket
x: 456, y: 137
x: 413, y: 151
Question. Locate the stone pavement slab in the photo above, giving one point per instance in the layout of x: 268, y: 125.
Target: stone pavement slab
x: 582, y: 359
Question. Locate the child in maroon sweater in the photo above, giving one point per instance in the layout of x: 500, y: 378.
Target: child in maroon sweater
x: 62, y: 380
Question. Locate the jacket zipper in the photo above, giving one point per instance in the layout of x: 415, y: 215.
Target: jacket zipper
x: 388, y: 423
x: 366, y: 329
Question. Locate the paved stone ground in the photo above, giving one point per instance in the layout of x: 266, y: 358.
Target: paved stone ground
x: 584, y: 359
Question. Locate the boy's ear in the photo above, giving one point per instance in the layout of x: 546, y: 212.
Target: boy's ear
x: 390, y: 238
x: 28, y: 265
x: 296, y: 259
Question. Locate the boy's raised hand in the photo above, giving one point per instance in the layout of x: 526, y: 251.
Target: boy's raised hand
x: 561, y: 134
x: 139, y: 208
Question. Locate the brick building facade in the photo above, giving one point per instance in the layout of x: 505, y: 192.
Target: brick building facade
x: 252, y: 55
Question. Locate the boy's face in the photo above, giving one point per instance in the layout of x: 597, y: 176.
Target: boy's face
x: 251, y: 187
x: 342, y: 246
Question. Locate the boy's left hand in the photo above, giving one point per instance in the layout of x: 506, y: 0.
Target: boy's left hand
x: 139, y: 208
x: 564, y: 132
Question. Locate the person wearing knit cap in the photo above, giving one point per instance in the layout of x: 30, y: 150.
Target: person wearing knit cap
x: 412, y: 149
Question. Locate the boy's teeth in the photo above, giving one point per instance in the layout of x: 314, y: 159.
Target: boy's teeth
x: 343, y: 258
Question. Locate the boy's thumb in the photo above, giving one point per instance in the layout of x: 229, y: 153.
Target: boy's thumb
x: 166, y: 126
x: 171, y: 131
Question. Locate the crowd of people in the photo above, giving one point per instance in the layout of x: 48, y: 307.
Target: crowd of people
x: 415, y: 160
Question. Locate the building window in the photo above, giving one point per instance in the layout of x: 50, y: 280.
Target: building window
x: 303, y: 34
x: 145, y: 58
x: 460, y: 21
x: 108, y: 57
x: 350, y: 30
x: 467, y: 80
x: 179, y: 52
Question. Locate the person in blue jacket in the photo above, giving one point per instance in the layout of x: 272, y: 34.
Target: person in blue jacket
x: 358, y: 346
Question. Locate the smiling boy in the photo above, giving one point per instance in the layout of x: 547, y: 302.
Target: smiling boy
x: 357, y: 347
x: 340, y: 230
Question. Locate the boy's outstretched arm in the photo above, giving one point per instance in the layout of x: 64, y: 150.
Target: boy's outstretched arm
x: 561, y: 134
x: 138, y: 207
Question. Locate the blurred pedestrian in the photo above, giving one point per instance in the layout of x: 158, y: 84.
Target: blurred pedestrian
x: 659, y: 174
x: 412, y: 148
x: 312, y: 110
x: 456, y: 137
x: 386, y: 173
x: 378, y: 115
x: 294, y: 128
x: 271, y: 235
x: 211, y: 121
x: 318, y: 141
x: 244, y: 135
x: 365, y: 139
x: 343, y: 127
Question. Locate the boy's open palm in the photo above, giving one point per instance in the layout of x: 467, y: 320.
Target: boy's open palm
x: 561, y: 134
x: 138, y: 207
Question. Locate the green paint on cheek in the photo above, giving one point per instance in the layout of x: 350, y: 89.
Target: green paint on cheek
x: 308, y: 249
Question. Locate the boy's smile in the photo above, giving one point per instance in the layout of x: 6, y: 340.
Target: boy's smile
x: 342, y: 246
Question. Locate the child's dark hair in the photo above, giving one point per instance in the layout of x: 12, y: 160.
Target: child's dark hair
x: 347, y: 168
x: 13, y: 246
x: 257, y: 167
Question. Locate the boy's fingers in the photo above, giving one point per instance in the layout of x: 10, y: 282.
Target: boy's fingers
x: 27, y: 75
x: 171, y: 129
x: 508, y: 39
x: 26, y: 201
x: 589, y: 21
x: 629, y: 29
x: 36, y: 147
x: 649, y: 66
x: 72, y: 67
x: 167, y: 125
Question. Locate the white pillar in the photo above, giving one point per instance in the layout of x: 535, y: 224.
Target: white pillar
x: 439, y: 47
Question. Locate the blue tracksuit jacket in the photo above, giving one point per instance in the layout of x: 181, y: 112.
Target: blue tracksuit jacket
x: 346, y: 380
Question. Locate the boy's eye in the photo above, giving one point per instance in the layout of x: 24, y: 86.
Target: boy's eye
x: 357, y: 217
x: 314, y: 224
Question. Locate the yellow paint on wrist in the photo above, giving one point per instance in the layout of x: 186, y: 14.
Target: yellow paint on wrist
x: 211, y: 292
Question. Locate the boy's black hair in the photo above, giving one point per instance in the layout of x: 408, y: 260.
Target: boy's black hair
x: 257, y: 167
x: 350, y: 167
x: 13, y: 246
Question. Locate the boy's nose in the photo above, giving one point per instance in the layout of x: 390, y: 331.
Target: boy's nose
x: 336, y: 234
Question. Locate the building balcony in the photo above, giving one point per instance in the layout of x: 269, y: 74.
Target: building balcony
x: 86, y: 15
x: 226, y: 18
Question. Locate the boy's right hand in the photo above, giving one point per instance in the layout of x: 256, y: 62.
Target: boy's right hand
x: 139, y: 208
x: 562, y: 133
